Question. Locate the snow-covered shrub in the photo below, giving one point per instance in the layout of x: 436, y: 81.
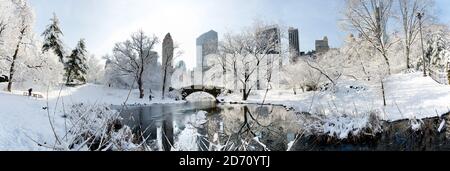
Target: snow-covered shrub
x: 345, y: 126
x: 300, y: 75
x: 99, y: 128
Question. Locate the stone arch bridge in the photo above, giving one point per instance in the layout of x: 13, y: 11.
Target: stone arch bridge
x: 212, y: 90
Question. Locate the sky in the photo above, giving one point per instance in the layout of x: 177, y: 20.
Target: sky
x: 102, y: 23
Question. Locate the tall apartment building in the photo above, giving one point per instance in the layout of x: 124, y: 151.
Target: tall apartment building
x: 294, y: 44
x: 270, y: 39
x: 207, y: 43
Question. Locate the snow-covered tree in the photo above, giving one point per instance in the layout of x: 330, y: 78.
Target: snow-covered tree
x: 410, y: 22
x: 249, y: 58
x: 369, y: 18
x: 96, y: 70
x: 114, y: 77
x: 438, y: 46
x: 4, y: 16
x: 52, y: 38
x: 301, y: 76
x: 76, y: 65
x: 38, y: 70
x: 261, y: 43
x: 18, y: 35
x: 231, y: 49
x: 21, y: 58
x: 132, y: 58
x: 5, y: 13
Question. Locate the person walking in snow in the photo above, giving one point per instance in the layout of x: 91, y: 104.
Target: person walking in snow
x: 150, y: 97
x: 30, y: 91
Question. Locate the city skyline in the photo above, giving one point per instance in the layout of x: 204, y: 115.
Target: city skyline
x: 101, y: 26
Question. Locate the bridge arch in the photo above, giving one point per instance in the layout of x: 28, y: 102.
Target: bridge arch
x: 212, y: 90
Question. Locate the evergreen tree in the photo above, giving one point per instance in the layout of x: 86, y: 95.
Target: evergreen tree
x: 437, y: 53
x: 76, y: 66
x: 52, y: 39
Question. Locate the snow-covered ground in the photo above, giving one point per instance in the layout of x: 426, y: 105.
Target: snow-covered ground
x: 408, y: 96
x: 23, y: 119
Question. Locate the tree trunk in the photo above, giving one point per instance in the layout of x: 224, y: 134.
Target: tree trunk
x: 69, y: 73
x: 141, y: 88
x: 245, y: 95
x: 13, y: 63
x: 408, y: 60
x: 383, y: 92
x: 258, y: 81
x: 235, y: 77
x: 244, y: 92
x: 224, y: 77
x: 11, y: 70
x: 386, y: 59
x: 141, y: 82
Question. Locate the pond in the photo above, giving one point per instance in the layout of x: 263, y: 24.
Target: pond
x: 232, y: 126
x: 237, y: 127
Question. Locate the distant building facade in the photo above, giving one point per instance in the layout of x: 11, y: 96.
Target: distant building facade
x: 322, y: 45
x: 181, y: 77
x: 294, y: 44
x: 207, y: 44
x: 270, y: 39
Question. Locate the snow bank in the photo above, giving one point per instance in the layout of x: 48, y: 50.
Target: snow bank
x: 408, y: 95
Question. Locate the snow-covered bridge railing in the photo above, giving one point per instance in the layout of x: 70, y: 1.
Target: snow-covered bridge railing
x: 440, y: 75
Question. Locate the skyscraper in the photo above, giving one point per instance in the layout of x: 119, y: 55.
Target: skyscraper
x: 207, y: 43
x: 294, y: 44
x: 167, y: 62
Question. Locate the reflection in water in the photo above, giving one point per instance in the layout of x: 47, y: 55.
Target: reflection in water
x: 229, y: 127
x: 257, y: 127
